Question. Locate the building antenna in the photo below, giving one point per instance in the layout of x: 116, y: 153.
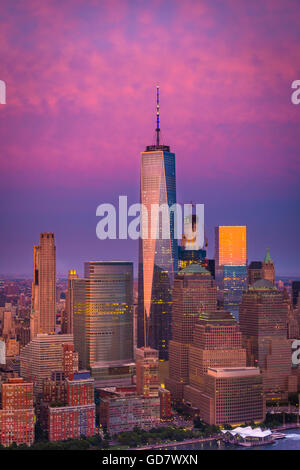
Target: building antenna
x: 157, y: 115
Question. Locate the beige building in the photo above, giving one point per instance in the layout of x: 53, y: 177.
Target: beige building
x: 233, y: 396
x: 41, y: 356
x: 43, y: 307
x: 264, y: 326
x: 147, y: 381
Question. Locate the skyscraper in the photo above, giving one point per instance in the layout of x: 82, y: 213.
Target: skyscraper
x: 190, y: 250
x: 295, y: 292
x: 103, y: 318
x: 263, y: 322
x: 67, y: 324
x: 220, y: 385
x: 268, y: 268
x: 158, y: 256
x: 194, y: 292
x: 43, y: 307
x: 231, y: 265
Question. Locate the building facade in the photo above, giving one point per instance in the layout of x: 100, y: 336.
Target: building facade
x: 118, y: 414
x: 43, y: 307
x: 194, y: 292
x: 233, y: 396
x: 231, y: 265
x: 41, y: 356
x: 103, y: 318
x: 17, y: 413
x: 158, y: 254
x: 264, y: 326
x: 147, y: 373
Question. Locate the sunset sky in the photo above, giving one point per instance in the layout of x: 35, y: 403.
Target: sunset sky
x: 81, y: 78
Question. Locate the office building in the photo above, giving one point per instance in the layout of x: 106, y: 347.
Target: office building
x: 233, y: 396
x: 231, y: 265
x: 43, y: 307
x: 194, y: 292
x: 103, y: 320
x: 67, y: 322
x: 147, y: 372
x: 158, y: 253
x: 264, y: 326
x: 295, y: 292
x: 221, y: 387
x: 254, y: 272
x: 41, y: 356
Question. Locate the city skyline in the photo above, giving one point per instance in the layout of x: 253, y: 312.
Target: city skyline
x: 226, y: 111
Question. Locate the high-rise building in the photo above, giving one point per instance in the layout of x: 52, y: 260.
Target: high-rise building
x: 158, y: 253
x: 264, y: 322
x: 217, y: 342
x: 220, y: 386
x: 103, y: 319
x: 231, y: 265
x: 295, y: 292
x: 147, y: 373
x: 268, y: 268
x: 233, y: 396
x: 231, y: 245
x: 17, y: 413
x: 234, y: 284
x: 67, y: 323
x: 194, y: 292
x: 41, y: 356
x: 254, y: 272
x: 43, y: 307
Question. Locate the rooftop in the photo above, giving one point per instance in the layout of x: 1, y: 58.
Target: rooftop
x: 221, y: 372
x: 194, y: 268
x: 262, y: 284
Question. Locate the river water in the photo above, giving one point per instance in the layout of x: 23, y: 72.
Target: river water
x: 290, y: 442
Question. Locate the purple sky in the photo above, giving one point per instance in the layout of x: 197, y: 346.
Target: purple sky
x: 81, y: 78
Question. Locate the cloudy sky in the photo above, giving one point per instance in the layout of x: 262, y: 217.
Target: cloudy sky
x: 81, y: 77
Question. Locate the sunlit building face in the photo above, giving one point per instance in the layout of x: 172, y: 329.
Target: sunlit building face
x: 158, y: 257
x: 231, y: 245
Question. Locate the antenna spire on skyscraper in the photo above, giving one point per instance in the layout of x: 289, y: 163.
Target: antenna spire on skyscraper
x: 157, y: 115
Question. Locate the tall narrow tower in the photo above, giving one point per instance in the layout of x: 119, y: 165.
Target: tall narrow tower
x: 158, y: 257
x: 43, y: 305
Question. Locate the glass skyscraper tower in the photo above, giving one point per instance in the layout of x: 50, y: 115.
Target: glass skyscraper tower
x: 158, y: 256
x: 103, y: 317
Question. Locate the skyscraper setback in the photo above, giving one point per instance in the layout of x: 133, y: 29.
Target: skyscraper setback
x: 43, y: 307
x: 158, y: 257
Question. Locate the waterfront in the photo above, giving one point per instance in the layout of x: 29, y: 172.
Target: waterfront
x: 291, y: 442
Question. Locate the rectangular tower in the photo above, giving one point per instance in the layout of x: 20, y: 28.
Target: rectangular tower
x: 103, y: 317
x: 231, y: 265
x: 158, y: 252
x: 43, y: 308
